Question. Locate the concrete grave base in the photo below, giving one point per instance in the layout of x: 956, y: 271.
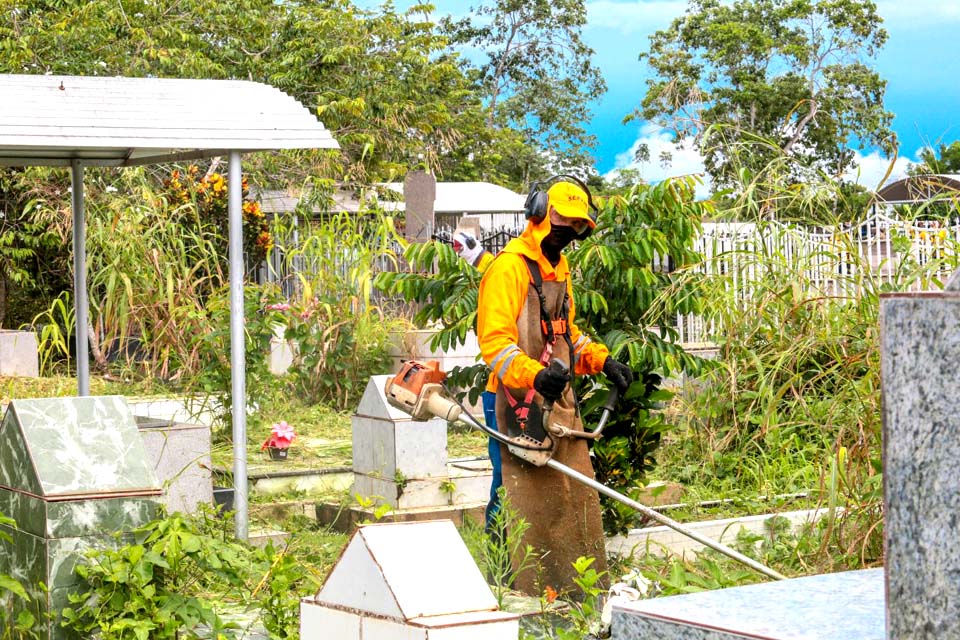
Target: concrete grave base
x: 321, y: 622
x: 466, y: 482
x: 346, y: 519
x: 18, y: 354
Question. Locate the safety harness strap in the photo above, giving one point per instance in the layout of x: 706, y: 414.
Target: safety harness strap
x: 551, y: 329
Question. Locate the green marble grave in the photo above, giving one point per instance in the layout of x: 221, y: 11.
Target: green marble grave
x: 74, y: 476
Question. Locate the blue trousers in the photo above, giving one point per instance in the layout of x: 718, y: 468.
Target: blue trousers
x: 493, y: 448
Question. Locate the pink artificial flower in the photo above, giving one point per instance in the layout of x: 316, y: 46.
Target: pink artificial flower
x: 281, y: 435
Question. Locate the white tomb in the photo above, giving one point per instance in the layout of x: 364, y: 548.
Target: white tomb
x: 403, y: 462
x: 406, y: 581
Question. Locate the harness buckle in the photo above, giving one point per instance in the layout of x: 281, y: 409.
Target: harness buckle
x: 559, y: 327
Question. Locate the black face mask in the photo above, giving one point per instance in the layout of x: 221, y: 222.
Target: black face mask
x: 556, y: 241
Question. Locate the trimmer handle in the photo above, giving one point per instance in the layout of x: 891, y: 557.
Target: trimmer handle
x: 613, y: 395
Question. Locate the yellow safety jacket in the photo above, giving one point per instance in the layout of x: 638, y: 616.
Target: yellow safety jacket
x: 503, y: 292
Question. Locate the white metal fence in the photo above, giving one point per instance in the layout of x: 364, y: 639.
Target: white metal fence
x: 826, y: 261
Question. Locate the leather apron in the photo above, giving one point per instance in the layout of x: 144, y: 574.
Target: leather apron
x: 564, y: 515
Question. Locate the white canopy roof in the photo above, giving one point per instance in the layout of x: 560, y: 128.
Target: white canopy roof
x: 111, y: 121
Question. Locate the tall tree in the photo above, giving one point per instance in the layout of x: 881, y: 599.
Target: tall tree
x: 538, y: 77
x: 789, y: 74
x: 384, y: 81
x: 944, y: 159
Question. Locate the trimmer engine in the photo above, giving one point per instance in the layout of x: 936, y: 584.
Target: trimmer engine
x: 418, y: 390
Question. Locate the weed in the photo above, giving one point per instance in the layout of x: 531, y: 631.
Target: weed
x: 499, y: 550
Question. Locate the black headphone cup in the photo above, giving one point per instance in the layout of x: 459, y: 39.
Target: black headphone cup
x: 471, y: 243
x: 535, y: 207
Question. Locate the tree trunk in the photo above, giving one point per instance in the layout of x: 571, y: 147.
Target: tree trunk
x: 94, y: 339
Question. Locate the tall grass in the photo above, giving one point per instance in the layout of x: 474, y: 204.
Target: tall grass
x: 793, y: 400
x: 340, y: 333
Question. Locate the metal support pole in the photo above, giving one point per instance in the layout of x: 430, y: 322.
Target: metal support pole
x: 237, y: 361
x: 664, y: 520
x: 81, y: 303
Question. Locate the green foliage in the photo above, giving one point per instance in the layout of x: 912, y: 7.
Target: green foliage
x: 384, y: 81
x: 33, y: 266
x: 209, y: 350
x: 208, y: 197
x: 794, y: 73
x: 58, y: 325
x: 581, y: 618
x: 944, y: 159
x: 536, y: 60
x: 179, y: 578
x: 627, y: 286
x: 794, y: 401
x: 280, y: 592
x: 624, y: 457
x: 150, y: 589
x: 341, y: 336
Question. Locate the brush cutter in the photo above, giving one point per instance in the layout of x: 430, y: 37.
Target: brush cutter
x: 419, y: 390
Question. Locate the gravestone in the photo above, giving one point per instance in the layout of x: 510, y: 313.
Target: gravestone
x: 920, y: 368
x: 403, y: 462
x: 413, y: 580
x: 73, y: 474
x: 18, y: 354
x: 419, y: 195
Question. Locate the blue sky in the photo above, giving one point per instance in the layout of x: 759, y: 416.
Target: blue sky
x: 921, y: 63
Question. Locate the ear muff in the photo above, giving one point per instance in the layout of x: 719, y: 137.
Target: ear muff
x: 535, y: 206
x: 470, y: 242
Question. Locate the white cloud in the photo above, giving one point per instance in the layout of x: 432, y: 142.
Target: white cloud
x: 869, y: 169
x: 684, y: 158
x: 634, y: 16
x: 917, y: 14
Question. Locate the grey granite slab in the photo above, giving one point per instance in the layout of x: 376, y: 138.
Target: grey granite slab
x: 920, y: 369
x: 838, y: 606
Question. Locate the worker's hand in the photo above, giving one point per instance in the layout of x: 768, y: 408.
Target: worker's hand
x: 618, y: 373
x: 550, y: 382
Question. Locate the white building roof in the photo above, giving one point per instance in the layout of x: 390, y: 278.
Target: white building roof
x: 452, y: 198
x: 50, y: 120
x: 472, y: 197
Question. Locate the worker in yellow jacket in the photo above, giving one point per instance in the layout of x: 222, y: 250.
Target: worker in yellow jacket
x: 525, y: 320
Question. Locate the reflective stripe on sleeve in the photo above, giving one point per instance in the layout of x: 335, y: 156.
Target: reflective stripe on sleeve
x: 503, y: 359
x: 581, y: 342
